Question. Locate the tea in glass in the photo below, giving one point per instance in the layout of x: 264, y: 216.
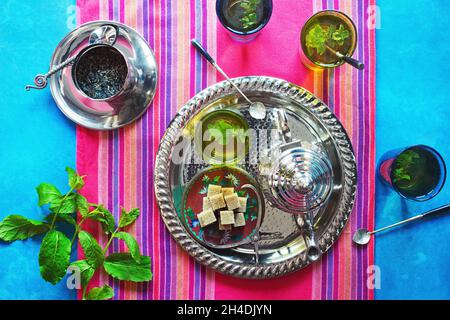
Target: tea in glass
x: 416, y: 173
x: 324, y: 34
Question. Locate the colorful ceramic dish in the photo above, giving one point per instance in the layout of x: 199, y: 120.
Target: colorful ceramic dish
x: 192, y: 205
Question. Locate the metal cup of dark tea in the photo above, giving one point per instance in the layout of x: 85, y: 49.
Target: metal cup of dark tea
x: 100, y: 72
x: 416, y: 173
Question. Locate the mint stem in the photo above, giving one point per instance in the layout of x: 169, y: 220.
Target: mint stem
x: 110, y: 240
x: 77, y: 230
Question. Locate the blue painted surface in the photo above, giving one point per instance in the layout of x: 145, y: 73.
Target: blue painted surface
x: 38, y: 142
x: 413, y: 108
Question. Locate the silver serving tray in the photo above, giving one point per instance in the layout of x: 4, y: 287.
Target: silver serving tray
x: 282, y: 248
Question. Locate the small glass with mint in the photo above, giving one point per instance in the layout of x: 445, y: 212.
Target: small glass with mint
x: 324, y: 34
x: 417, y: 173
x: 244, y: 19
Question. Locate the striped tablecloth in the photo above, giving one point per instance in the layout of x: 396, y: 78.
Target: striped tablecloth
x: 120, y: 163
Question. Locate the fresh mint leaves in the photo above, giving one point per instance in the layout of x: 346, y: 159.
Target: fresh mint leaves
x: 15, y: 227
x: 56, y: 247
x: 131, y: 243
x: 54, y: 256
x: 91, y: 249
x: 47, y: 193
x: 100, y: 293
x: 86, y: 271
x: 104, y: 216
x: 123, y: 266
x: 76, y: 182
x: 127, y: 218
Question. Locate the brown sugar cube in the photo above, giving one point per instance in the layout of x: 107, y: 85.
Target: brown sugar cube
x: 206, y: 204
x: 226, y: 217
x: 227, y: 191
x: 232, y: 201
x: 206, y: 218
x: 242, y: 204
x: 217, y: 202
x: 239, y: 219
x: 214, y: 190
x: 224, y: 227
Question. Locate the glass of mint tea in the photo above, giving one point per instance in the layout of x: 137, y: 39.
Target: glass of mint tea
x: 417, y: 173
x: 244, y: 19
x: 324, y: 34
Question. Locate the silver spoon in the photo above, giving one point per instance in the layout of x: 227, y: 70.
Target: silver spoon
x: 257, y: 109
x: 353, y: 62
x: 106, y: 34
x: 362, y: 236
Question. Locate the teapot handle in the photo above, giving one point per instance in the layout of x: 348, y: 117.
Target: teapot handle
x: 256, y: 236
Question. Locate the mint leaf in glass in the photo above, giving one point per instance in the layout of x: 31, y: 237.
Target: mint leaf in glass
x: 319, y: 37
x: 15, y: 227
x: 340, y: 35
x: 54, y: 256
x: 316, y: 39
x: 249, y: 16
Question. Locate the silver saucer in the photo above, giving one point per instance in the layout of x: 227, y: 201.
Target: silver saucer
x: 117, y: 111
x: 282, y: 248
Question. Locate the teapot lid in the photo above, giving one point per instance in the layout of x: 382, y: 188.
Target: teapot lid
x: 301, y: 178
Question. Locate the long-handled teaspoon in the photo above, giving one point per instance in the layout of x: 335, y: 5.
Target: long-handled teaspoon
x: 353, y: 62
x: 257, y: 109
x: 362, y: 236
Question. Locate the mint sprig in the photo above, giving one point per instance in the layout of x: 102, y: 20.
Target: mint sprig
x: 56, y: 248
x: 403, y: 164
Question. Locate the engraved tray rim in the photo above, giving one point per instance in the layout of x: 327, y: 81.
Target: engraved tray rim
x: 163, y: 191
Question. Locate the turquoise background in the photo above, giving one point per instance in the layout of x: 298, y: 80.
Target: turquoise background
x: 412, y: 108
x: 38, y: 141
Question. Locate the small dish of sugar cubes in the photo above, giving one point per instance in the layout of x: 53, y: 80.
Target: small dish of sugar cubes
x: 223, y: 205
